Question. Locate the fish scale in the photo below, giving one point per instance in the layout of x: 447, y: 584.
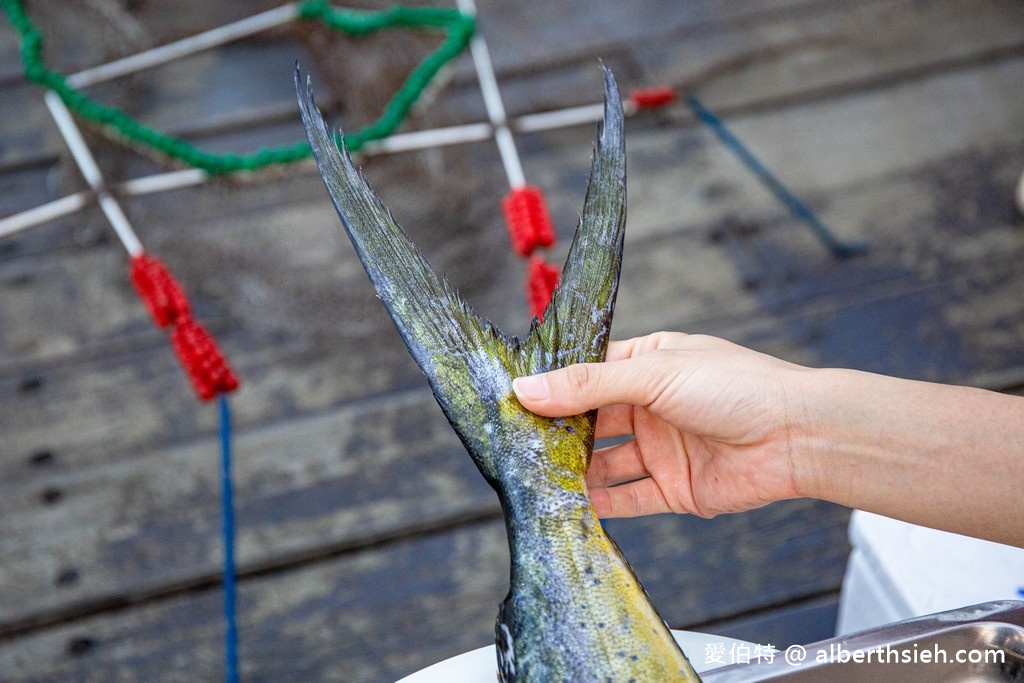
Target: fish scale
x: 575, y: 610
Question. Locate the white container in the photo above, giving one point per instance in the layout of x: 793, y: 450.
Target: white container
x: 480, y: 666
x: 899, y: 570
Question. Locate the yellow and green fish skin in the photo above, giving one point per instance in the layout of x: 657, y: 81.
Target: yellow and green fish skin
x: 575, y: 610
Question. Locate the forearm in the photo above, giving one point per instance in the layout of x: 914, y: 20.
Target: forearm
x: 941, y: 456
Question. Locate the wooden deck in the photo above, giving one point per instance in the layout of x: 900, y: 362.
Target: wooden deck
x: 369, y: 546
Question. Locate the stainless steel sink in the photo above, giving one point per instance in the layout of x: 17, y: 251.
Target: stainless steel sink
x: 988, y: 638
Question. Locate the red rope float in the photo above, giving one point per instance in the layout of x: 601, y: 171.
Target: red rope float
x: 197, y: 351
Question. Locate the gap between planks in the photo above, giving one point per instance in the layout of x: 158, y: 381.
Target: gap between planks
x: 270, y: 566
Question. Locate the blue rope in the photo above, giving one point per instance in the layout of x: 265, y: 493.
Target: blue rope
x: 228, y: 530
x: 839, y: 248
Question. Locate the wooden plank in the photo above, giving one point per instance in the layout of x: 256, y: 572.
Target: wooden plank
x: 88, y: 289
x: 830, y: 48
x: 768, y: 324
x: 652, y: 216
x: 77, y: 541
x: 799, y: 623
x: 84, y: 541
x: 246, y: 79
x: 27, y: 129
x: 9, y: 53
x: 296, y: 358
x: 744, y: 56
x: 385, y: 612
x: 555, y: 32
x: 942, y: 323
x: 108, y: 468
x: 697, y: 570
x: 24, y: 188
x: 740, y: 56
x: 139, y: 524
x: 665, y: 183
x: 27, y: 132
x: 827, y: 152
x: 66, y: 517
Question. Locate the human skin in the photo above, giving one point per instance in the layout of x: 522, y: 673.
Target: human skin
x: 720, y: 428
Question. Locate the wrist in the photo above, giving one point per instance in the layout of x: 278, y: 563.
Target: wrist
x: 903, y: 448
x: 938, y: 455
x: 825, y: 419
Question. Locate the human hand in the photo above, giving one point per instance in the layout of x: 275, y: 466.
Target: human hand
x: 710, y: 420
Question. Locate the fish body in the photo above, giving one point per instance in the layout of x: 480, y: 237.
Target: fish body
x: 575, y: 610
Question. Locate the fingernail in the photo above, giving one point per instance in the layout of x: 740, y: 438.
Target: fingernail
x: 533, y: 388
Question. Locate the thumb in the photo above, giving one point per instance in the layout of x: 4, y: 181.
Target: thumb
x: 578, y: 388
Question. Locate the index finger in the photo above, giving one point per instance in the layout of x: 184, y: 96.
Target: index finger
x: 614, y: 420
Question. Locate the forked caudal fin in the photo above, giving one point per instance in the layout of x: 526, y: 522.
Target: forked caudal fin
x: 468, y: 362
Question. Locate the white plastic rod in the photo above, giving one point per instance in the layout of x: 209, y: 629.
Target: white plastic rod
x: 186, y: 46
x: 399, y: 142
x: 44, y: 212
x: 559, y: 118
x: 493, y: 104
x: 87, y: 164
x: 424, y: 139
x: 161, y: 182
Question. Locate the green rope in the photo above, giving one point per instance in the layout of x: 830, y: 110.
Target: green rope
x: 458, y: 29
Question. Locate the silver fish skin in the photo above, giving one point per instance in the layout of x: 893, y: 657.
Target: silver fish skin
x: 575, y: 610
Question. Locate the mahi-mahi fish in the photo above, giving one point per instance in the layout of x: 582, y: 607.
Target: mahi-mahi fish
x: 575, y: 610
